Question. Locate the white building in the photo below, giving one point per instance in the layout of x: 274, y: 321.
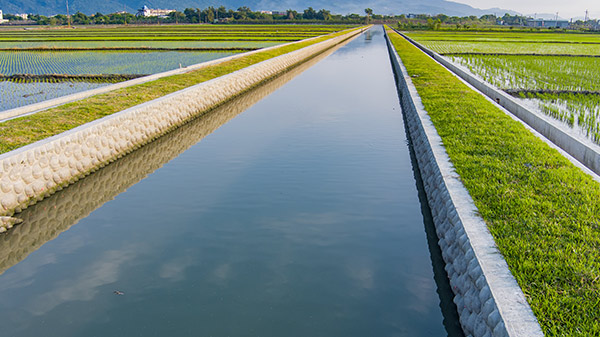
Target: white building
x: 22, y: 16
x: 145, y: 11
x: 541, y: 23
x: 2, y: 18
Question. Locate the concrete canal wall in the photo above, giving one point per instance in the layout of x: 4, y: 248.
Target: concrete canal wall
x: 488, y: 298
x: 581, y: 148
x: 35, y: 171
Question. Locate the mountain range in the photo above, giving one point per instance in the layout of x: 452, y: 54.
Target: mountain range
x: 51, y: 7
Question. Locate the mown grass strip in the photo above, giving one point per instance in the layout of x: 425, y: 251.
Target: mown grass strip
x: 21, y: 131
x: 542, y: 210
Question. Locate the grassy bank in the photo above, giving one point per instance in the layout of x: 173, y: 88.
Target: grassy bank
x: 542, y: 210
x: 28, y: 129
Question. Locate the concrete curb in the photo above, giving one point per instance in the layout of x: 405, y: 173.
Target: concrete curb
x: 488, y: 299
x: 41, y: 106
x: 35, y: 171
x: 580, y: 148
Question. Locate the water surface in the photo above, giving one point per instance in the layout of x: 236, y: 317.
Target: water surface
x: 298, y: 217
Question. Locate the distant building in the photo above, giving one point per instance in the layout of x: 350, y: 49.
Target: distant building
x: 120, y: 12
x: 278, y: 13
x: 161, y: 13
x: 541, y: 23
x: 22, y: 16
x: 2, y: 18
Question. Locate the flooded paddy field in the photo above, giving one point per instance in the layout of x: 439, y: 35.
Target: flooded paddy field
x: 61, y: 53
x: 553, y: 73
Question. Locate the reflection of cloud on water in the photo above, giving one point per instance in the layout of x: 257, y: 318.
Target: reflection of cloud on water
x: 84, y: 288
x: 174, y: 269
x: 222, y: 272
x: 24, y: 274
x: 362, y: 273
x: 424, y: 293
x: 311, y: 227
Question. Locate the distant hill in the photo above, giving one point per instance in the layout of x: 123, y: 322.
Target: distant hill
x: 51, y: 7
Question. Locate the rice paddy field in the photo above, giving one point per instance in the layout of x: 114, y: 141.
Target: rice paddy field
x: 100, y: 62
x: 126, y: 50
x: 15, y: 94
x: 556, y: 73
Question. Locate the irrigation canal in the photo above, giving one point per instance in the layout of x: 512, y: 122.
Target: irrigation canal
x: 301, y: 216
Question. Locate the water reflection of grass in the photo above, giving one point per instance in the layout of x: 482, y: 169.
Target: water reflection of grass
x: 542, y: 210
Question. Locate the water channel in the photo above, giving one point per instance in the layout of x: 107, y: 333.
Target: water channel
x: 293, y: 210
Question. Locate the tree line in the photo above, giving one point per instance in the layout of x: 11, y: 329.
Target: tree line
x: 197, y: 15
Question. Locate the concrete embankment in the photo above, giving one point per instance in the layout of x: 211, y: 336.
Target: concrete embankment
x: 581, y: 148
x: 488, y: 298
x: 35, y: 171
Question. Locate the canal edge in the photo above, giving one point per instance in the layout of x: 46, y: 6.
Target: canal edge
x: 488, y: 299
x: 35, y: 171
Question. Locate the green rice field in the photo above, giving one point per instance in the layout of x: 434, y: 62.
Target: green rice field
x: 138, y: 44
x: 100, y: 62
x: 456, y: 47
x: 135, y: 61
x: 174, y: 33
x: 569, y: 67
x: 535, y: 72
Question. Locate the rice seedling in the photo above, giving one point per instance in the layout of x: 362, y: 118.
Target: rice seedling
x: 535, y: 72
x: 100, y: 62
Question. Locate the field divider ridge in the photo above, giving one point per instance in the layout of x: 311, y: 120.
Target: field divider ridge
x: 489, y: 301
x: 41, y: 106
x: 582, y: 149
x: 35, y: 171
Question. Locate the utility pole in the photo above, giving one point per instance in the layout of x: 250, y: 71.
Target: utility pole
x: 586, y: 18
x: 68, y: 16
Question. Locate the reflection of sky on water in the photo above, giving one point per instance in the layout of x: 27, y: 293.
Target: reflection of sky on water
x: 286, y: 221
x: 14, y: 95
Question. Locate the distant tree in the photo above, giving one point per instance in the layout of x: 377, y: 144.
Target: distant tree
x: 323, y: 14
x: 11, y: 17
x: 80, y: 19
x: 177, y: 17
x: 221, y: 12
x: 191, y: 15
x: 309, y: 14
x: 291, y: 14
x: 99, y: 19
x: 210, y: 14
x: 369, y: 12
